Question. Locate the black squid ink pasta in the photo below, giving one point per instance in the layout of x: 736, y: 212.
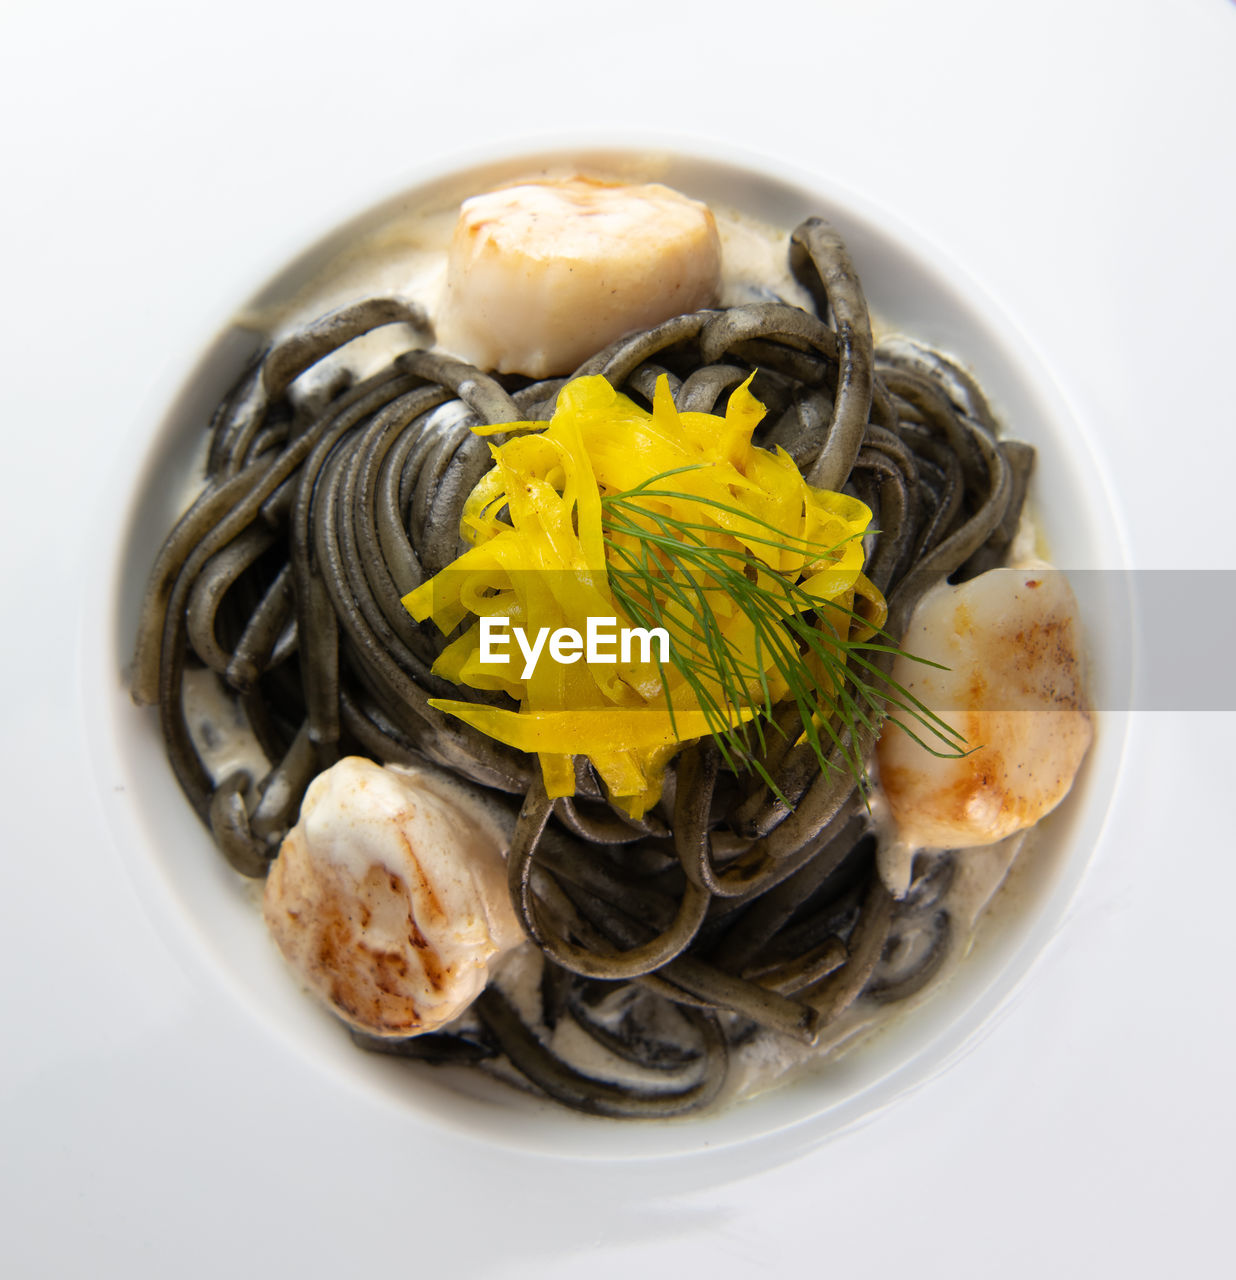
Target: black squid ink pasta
x: 729, y: 910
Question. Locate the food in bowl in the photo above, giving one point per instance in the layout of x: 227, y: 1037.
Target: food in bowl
x: 642, y: 885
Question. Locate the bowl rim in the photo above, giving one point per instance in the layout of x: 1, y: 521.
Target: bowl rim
x: 135, y: 815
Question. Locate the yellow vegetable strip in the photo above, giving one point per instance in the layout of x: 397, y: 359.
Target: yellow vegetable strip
x: 575, y: 732
x: 542, y: 553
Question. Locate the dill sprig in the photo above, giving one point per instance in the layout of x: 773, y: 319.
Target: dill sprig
x: 663, y: 569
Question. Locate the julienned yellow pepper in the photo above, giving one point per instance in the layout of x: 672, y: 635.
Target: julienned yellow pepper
x: 541, y: 556
x: 639, y: 736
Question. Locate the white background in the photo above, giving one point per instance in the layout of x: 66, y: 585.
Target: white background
x: 158, y: 159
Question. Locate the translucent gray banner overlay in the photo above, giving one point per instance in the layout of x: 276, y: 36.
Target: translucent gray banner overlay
x: 1159, y: 639
x: 1151, y: 640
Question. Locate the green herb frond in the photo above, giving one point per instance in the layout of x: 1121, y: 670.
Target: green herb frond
x: 662, y: 569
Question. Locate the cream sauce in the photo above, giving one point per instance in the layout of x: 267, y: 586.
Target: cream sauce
x: 219, y: 729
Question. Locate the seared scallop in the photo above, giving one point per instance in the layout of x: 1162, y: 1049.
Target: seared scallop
x: 389, y: 897
x: 543, y: 275
x: 1011, y: 641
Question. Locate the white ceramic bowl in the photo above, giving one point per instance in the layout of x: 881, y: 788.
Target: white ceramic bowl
x: 208, y: 915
